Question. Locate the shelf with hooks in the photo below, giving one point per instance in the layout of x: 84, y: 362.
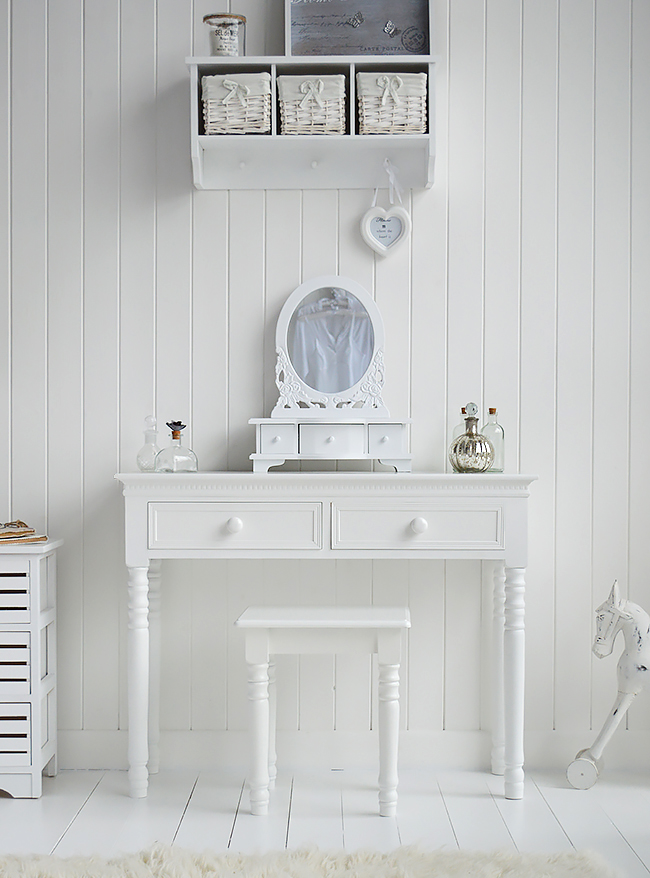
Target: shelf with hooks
x: 275, y: 160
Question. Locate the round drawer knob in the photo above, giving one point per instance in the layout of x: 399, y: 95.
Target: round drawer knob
x: 275, y: 439
x: 419, y: 525
x: 330, y: 439
x: 384, y: 439
x: 234, y: 525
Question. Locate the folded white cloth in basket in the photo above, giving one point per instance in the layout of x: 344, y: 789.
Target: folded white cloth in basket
x: 235, y: 86
x: 392, y: 85
x: 311, y: 88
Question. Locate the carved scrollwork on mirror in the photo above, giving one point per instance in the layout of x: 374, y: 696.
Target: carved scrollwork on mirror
x: 330, y: 378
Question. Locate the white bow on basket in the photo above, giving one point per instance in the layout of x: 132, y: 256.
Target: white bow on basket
x: 236, y: 90
x: 312, y: 88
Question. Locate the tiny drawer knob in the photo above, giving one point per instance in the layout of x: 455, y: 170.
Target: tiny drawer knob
x: 384, y: 439
x: 419, y: 525
x: 330, y: 439
x: 234, y: 525
x: 275, y: 439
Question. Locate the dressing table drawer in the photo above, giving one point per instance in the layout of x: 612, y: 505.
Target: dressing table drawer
x: 332, y: 440
x: 278, y: 439
x: 417, y: 526
x: 243, y: 525
x: 385, y: 440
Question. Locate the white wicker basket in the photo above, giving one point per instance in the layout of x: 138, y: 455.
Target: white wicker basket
x: 312, y: 104
x: 237, y: 103
x: 392, y: 103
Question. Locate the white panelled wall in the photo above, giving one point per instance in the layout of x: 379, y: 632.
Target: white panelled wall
x: 524, y: 285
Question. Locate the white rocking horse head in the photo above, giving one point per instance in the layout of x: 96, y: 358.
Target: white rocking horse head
x: 610, y: 617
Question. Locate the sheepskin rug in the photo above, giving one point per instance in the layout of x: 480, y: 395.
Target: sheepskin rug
x: 162, y: 861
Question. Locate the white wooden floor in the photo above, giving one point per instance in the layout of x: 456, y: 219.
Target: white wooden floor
x: 86, y: 812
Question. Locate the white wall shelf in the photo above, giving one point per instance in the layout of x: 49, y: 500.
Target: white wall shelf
x: 278, y: 161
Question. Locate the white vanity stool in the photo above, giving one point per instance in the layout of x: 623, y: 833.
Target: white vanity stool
x: 273, y: 631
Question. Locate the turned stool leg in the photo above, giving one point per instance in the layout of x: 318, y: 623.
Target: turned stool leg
x: 388, y: 738
x: 258, y: 695
x: 273, y: 756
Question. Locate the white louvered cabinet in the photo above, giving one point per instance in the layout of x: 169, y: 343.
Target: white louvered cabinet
x: 27, y: 666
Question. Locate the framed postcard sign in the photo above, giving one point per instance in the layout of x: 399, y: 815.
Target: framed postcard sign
x: 358, y: 27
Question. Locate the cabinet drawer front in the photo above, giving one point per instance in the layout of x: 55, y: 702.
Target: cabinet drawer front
x: 332, y: 440
x: 235, y: 526
x: 14, y: 663
x: 416, y: 526
x: 385, y: 440
x: 278, y: 439
x: 14, y: 597
x: 15, y: 734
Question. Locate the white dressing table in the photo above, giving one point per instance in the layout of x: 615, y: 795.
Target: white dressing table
x: 326, y: 515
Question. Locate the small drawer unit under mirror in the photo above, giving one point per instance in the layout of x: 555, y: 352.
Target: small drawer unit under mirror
x: 28, y: 742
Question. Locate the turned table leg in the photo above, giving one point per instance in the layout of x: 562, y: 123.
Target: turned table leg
x: 138, y: 680
x: 498, y: 625
x: 388, y: 738
x: 154, y: 666
x: 513, y: 675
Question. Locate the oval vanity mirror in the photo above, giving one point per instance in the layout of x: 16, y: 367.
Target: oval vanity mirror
x: 329, y: 343
x: 330, y: 340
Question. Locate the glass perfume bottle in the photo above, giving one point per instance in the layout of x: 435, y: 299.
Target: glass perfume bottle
x: 494, y: 432
x: 459, y: 428
x: 176, y: 458
x: 147, y: 455
x: 471, y: 452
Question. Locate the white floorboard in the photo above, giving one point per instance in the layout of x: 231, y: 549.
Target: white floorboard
x: 90, y: 812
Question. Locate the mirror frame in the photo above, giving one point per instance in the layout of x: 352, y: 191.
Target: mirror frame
x: 296, y: 398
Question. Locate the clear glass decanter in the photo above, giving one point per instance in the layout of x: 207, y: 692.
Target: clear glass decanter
x: 494, y: 432
x: 176, y: 458
x: 146, y: 457
x: 459, y: 428
x: 471, y: 452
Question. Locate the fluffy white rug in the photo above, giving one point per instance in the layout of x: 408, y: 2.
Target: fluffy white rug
x: 169, y: 862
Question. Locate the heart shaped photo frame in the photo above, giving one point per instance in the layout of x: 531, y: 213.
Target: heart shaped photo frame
x: 383, y: 230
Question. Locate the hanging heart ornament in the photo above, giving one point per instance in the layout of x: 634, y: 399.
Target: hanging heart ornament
x: 382, y: 230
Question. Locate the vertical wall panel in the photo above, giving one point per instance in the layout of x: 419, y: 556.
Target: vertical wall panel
x: 575, y: 363
x: 137, y: 225
x: 466, y: 205
x: 28, y: 265
x: 502, y: 226
x: 611, y: 316
x: 103, y: 540
x: 639, y: 478
x: 5, y: 261
x: 538, y: 341
x: 246, y: 327
x: 65, y: 340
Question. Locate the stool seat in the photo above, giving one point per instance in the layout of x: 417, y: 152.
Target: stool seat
x: 273, y: 631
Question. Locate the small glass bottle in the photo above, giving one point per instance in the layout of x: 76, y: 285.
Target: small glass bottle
x: 494, y: 432
x: 176, y: 458
x: 459, y: 428
x: 471, y: 452
x: 147, y: 455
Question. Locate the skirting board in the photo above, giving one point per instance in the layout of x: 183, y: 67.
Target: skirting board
x: 451, y: 749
